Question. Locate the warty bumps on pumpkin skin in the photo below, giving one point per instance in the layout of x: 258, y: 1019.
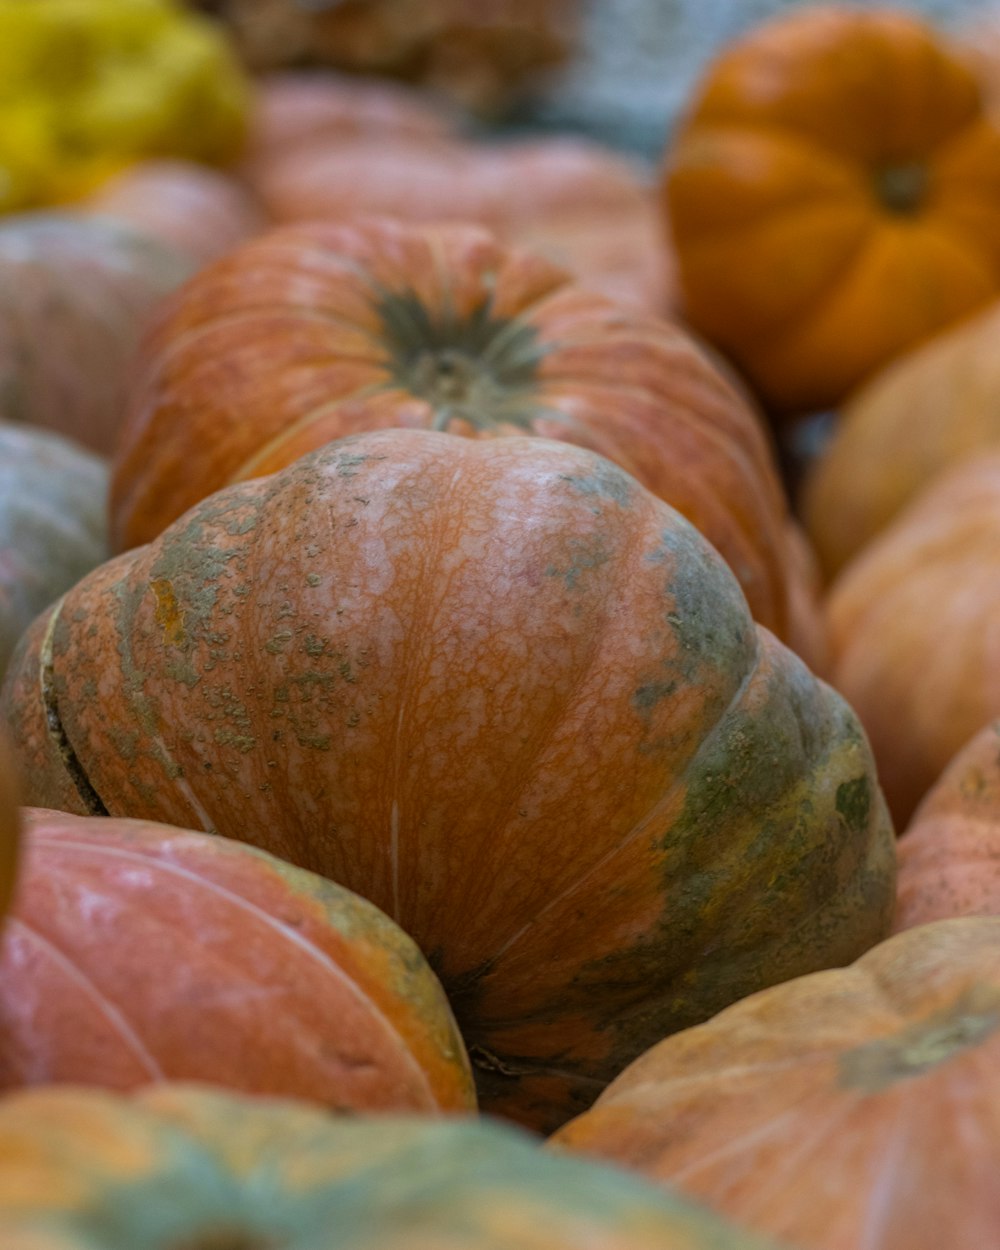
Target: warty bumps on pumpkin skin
x: 511, y: 697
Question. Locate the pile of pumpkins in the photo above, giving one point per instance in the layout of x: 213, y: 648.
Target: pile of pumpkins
x: 440, y: 691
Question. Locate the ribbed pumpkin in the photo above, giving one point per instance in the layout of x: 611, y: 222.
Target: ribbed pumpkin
x: 589, y: 207
x: 949, y: 857
x: 77, y: 293
x: 852, y: 1108
x: 53, y: 500
x: 508, y: 695
x: 186, y: 1168
x: 913, y: 630
x: 317, y: 332
x: 926, y: 413
x: 198, y: 211
x: 138, y: 952
x: 834, y: 195
x: 10, y: 824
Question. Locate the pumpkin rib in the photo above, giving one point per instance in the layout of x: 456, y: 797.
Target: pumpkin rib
x: 662, y: 804
x: 271, y: 922
x: 109, y: 1010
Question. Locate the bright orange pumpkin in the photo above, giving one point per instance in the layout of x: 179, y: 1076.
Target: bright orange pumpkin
x: 913, y: 631
x: 834, y: 195
x: 138, y: 952
x: 508, y: 695
x: 317, y: 332
x: 949, y: 857
x: 852, y: 1108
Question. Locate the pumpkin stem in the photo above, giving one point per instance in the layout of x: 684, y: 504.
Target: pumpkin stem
x: 902, y: 188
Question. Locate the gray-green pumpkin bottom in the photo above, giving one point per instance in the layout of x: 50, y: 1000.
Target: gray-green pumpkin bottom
x: 716, y: 829
x: 195, y: 1169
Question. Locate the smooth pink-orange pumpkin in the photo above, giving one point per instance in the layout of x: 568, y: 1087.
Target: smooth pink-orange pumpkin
x: 856, y: 1107
x: 10, y: 826
x: 139, y: 952
x: 316, y: 332
x: 949, y: 856
x: 507, y: 694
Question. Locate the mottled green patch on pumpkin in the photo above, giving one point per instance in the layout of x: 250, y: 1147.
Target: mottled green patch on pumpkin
x: 582, y: 556
x: 605, y: 481
x: 925, y: 1045
x: 854, y: 802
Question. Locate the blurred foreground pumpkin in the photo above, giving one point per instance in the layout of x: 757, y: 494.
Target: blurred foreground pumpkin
x: 137, y: 952
x: 91, y: 85
x: 187, y: 1168
x: 316, y: 332
x: 77, y: 294
x: 507, y: 695
x: 916, y: 419
x: 914, y: 630
x: 854, y: 1107
x: 949, y: 857
x: 834, y: 195
x: 10, y: 826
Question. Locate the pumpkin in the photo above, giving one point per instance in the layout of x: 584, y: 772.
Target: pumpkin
x: 53, y: 497
x: 853, y: 1107
x: 92, y: 85
x: 317, y: 332
x: 295, y: 109
x: 509, y: 696
x: 180, y: 1166
x: 137, y: 952
x: 587, y: 207
x: 949, y: 857
x: 10, y: 825
x: 77, y: 293
x: 194, y: 209
x: 923, y: 414
x: 913, y: 631
x: 834, y: 196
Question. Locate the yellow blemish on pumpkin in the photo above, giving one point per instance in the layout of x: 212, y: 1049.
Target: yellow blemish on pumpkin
x: 169, y: 614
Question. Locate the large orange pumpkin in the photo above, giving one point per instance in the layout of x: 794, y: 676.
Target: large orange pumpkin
x: 316, y: 332
x: 913, y: 631
x: 136, y: 952
x: 924, y: 414
x: 851, y: 1108
x: 188, y: 1168
x: 834, y: 195
x: 949, y: 857
x: 508, y: 695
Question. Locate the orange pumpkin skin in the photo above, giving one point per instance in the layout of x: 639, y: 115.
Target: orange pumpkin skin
x: 137, y: 952
x: 854, y: 1107
x: 508, y: 695
x: 317, y: 332
x: 949, y: 857
x: 184, y: 1167
x: 924, y: 414
x: 912, y: 628
x: 834, y: 196
x: 196, y: 210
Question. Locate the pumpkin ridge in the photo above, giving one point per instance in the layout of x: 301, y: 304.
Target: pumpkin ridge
x: 111, y: 1012
x: 272, y: 922
x: 56, y: 730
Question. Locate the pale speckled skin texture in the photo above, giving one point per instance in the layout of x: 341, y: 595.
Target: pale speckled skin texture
x: 323, y: 331
x: 137, y: 952
x: 851, y: 1108
x: 949, y: 856
x: 183, y: 1168
x: 510, y: 696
